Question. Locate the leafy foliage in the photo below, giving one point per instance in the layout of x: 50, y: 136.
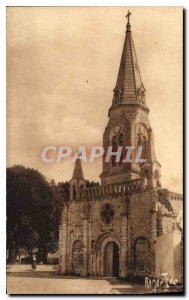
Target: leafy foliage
x: 34, y: 210
x: 91, y: 184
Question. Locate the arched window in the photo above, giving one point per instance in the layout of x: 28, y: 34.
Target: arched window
x: 141, y: 138
x: 117, y: 141
x: 114, y: 149
x: 74, y: 192
x: 121, y: 144
x: 142, y: 256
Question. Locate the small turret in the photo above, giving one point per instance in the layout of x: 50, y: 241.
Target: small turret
x: 77, y: 182
x: 151, y: 170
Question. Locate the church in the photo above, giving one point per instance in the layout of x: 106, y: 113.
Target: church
x: 128, y: 225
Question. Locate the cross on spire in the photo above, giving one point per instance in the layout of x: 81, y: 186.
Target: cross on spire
x: 128, y: 16
x: 128, y: 23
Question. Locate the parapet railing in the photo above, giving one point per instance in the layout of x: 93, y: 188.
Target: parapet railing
x: 111, y: 189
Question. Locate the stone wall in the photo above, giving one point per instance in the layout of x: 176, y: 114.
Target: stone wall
x: 169, y: 255
x: 134, y: 229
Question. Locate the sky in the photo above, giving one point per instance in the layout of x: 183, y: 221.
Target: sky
x: 62, y: 65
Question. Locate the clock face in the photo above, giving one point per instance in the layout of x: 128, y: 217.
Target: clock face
x: 142, y: 129
x: 117, y: 129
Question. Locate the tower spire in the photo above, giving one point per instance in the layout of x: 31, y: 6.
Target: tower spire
x: 78, y: 171
x: 129, y: 88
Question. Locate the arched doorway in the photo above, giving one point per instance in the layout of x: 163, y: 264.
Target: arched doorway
x: 111, y: 259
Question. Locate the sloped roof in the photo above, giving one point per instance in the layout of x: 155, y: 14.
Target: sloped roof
x: 78, y: 171
x: 129, y: 80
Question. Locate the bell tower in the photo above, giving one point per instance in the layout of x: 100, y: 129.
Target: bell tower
x: 77, y: 182
x: 128, y: 123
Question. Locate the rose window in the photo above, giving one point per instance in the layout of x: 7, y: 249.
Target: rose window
x: 107, y: 213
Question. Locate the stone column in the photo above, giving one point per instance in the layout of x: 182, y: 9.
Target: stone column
x: 153, y: 238
x: 77, y: 191
x: 60, y: 246
x: 90, y: 262
x: 85, y: 238
x: 134, y: 164
x: 64, y: 239
x: 124, y: 239
x: 98, y: 263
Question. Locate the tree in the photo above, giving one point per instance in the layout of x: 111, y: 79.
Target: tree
x: 28, y: 210
x: 91, y: 183
x: 34, y: 211
x: 60, y: 196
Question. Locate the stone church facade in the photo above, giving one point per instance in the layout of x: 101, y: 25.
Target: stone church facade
x: 129, y: 225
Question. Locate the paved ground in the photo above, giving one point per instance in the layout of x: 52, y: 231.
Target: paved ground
x: 45, y: 280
